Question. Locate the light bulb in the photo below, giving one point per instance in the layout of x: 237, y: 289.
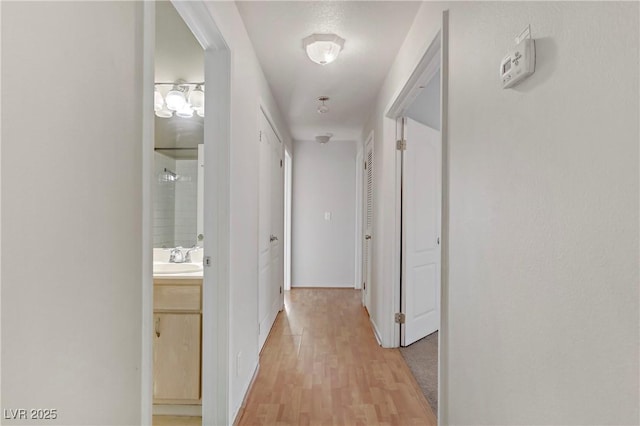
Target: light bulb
x: 185, y: 112
x: 323, y: 109
x: 196, y: 97
x: 175, y: 99
x: 164, y: 113
x: 158, y: 101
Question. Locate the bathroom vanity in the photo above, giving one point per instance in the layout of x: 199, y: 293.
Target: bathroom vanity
x: 177, y: 341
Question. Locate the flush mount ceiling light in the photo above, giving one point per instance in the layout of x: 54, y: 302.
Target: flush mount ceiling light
x: 183, y: 99
x: 323, y: 48
x: 323, y: 109
x: 322, y: 139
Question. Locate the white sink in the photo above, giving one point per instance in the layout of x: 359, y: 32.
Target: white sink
x: 175, y: 268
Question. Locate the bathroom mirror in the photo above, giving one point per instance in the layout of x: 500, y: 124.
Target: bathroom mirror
x: 179, y: 132
x: 177, y: 182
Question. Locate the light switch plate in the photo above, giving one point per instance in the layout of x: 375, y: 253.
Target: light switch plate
x: 327, y: 216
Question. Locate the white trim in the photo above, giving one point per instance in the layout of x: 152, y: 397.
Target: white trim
x: 288, y: 188
x: 396, y: 263
x: 331, y: 285
x: 0, y: 211
x: 434, y: 58
x: 270, y: 120
x: 215, y: 294
x: 426, y: 68
x: 264, y: 112
x: 376, y: 332
x: 245, y: 392
x: 148, y: 142
x: 443, y: 335
x: 423, y: 72
x: 369, y: 141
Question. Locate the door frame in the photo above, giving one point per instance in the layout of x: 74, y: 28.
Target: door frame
x: 215, y: 291
x: 366, y: 295
x: 359, y: 277
x: 288, y: 187
x: 264, y: 112
x: 436, y: 51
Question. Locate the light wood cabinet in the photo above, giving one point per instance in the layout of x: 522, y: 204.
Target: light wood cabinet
x: 177, y: 347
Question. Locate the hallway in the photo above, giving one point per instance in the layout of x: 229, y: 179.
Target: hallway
x: 321, y: 365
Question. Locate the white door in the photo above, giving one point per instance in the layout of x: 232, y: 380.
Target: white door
x: 277, y: 224
x: 367, y: 244
x: 270, y: 230
x: 421, y: 211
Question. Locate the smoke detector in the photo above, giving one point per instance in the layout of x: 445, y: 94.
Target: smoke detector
x: 324, y: 138
x: 323, y: 109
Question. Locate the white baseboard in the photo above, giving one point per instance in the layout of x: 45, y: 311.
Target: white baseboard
x: 177, y: 410
x: 376, y: 332
x: 245, y: 391
x: 335, y: 285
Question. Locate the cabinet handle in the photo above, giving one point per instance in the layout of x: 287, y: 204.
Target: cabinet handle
x: 158, y: 327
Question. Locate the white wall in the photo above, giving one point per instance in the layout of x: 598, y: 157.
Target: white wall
x: 248, y: 88
x: 543, y: 277
x: 72, y: 210
x: 324, y: 178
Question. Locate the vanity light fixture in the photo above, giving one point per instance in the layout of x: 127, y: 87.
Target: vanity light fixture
x: 175, y: 99
x: 323, y: 48
x: 323, y: 109
x: 183, y: 99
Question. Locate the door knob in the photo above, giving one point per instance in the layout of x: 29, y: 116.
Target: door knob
x: 367, y: 237
x: 273, y: 238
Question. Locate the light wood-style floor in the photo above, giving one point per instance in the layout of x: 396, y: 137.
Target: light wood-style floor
x: 322, y: 365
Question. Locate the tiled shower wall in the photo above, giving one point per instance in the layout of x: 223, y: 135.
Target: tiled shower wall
x: 186, y: 202
x: 163, y: 203
x: 175, y: 203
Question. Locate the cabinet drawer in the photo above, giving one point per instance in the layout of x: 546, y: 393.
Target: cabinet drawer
x: 176, y: 298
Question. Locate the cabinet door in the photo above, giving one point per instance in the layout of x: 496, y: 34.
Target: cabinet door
x: 176, y: 356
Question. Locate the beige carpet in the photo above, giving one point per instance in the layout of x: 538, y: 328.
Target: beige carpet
x: 422, y: 359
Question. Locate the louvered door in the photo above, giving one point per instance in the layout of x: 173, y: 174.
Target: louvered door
x: 368, y: 223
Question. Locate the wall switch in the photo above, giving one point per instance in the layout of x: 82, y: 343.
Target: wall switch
x: 327, y: 216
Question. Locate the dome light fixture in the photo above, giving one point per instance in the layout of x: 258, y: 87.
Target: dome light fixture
x: 323, y: 109
x: 322, y: 139
x: 323, y: 48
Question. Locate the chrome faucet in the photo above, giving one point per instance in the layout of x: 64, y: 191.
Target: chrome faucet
x: 177, y: 256
x: 187, y: 257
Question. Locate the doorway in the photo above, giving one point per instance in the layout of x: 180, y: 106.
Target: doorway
x: 288, y: 187
x: 212, y: 386
x: 367, y: 246
x: 271, y: 229
x: 421, y: 210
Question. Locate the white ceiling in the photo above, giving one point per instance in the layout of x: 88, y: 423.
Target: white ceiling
x: 373, y: 30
